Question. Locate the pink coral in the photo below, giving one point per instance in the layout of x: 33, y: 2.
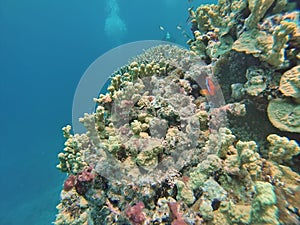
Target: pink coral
x: 86, y: 175
x: 81, y: 182
x: 69, y: 183
x: 135, y: 213
x: 175, y: 215
x: 84, y: 180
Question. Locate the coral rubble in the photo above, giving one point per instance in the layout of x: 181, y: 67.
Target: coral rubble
x: 206, y: 136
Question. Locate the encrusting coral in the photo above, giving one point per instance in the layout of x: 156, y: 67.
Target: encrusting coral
x: 163, y: 145
x: 284, y: 115
x: 264, y: 210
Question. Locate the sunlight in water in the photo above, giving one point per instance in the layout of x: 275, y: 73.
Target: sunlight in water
x: 115, y: 28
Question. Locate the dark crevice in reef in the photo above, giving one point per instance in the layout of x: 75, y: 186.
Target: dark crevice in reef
x: 254, y: 125
x: 229, y: 73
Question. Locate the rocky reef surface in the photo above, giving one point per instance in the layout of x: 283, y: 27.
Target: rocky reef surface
x: 208, y: 135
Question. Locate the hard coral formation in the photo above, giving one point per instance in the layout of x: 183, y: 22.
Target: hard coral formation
x: 290, y: 83
x: 268, y: 47
x: 264, y: 209
x: 71, y: 160
x: 249, y: 159
x: 258, y: 9
x: 236, y: 25
x: 284, y: 115
x: 164, y: 147
x: 282, y: 149
x: 281, y: 35
x: 261, y: 64
x: 81, y: 182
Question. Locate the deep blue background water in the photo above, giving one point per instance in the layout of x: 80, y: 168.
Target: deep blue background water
x: 45, y: 47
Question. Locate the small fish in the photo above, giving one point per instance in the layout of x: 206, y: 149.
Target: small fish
x: 179, y: 27
x: 191, y: 16
x: 183, y: 31
x: 185, y: 34
x: 168, y: 36
x: 161, y: 28
x: 211, y: 88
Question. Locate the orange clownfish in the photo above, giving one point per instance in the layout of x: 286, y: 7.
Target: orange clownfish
x: 211, y: 88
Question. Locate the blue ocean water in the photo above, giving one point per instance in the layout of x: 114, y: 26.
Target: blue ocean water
x: 45, y: 47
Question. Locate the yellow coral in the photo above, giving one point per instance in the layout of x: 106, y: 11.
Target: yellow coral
x: 282, y: 149
x: 290, y: 83
x: 252, y: 42
x: 71, y: 160
x: 258, y: 10
x: 249, y: 158
x: 275, y: 56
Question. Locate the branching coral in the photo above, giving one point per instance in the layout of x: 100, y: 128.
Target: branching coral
x: 71, y: 160
x: 258, y: 9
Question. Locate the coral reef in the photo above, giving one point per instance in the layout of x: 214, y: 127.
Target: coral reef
x: 206, y: 136
x: 261, y: 62
x: 236, y: 25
